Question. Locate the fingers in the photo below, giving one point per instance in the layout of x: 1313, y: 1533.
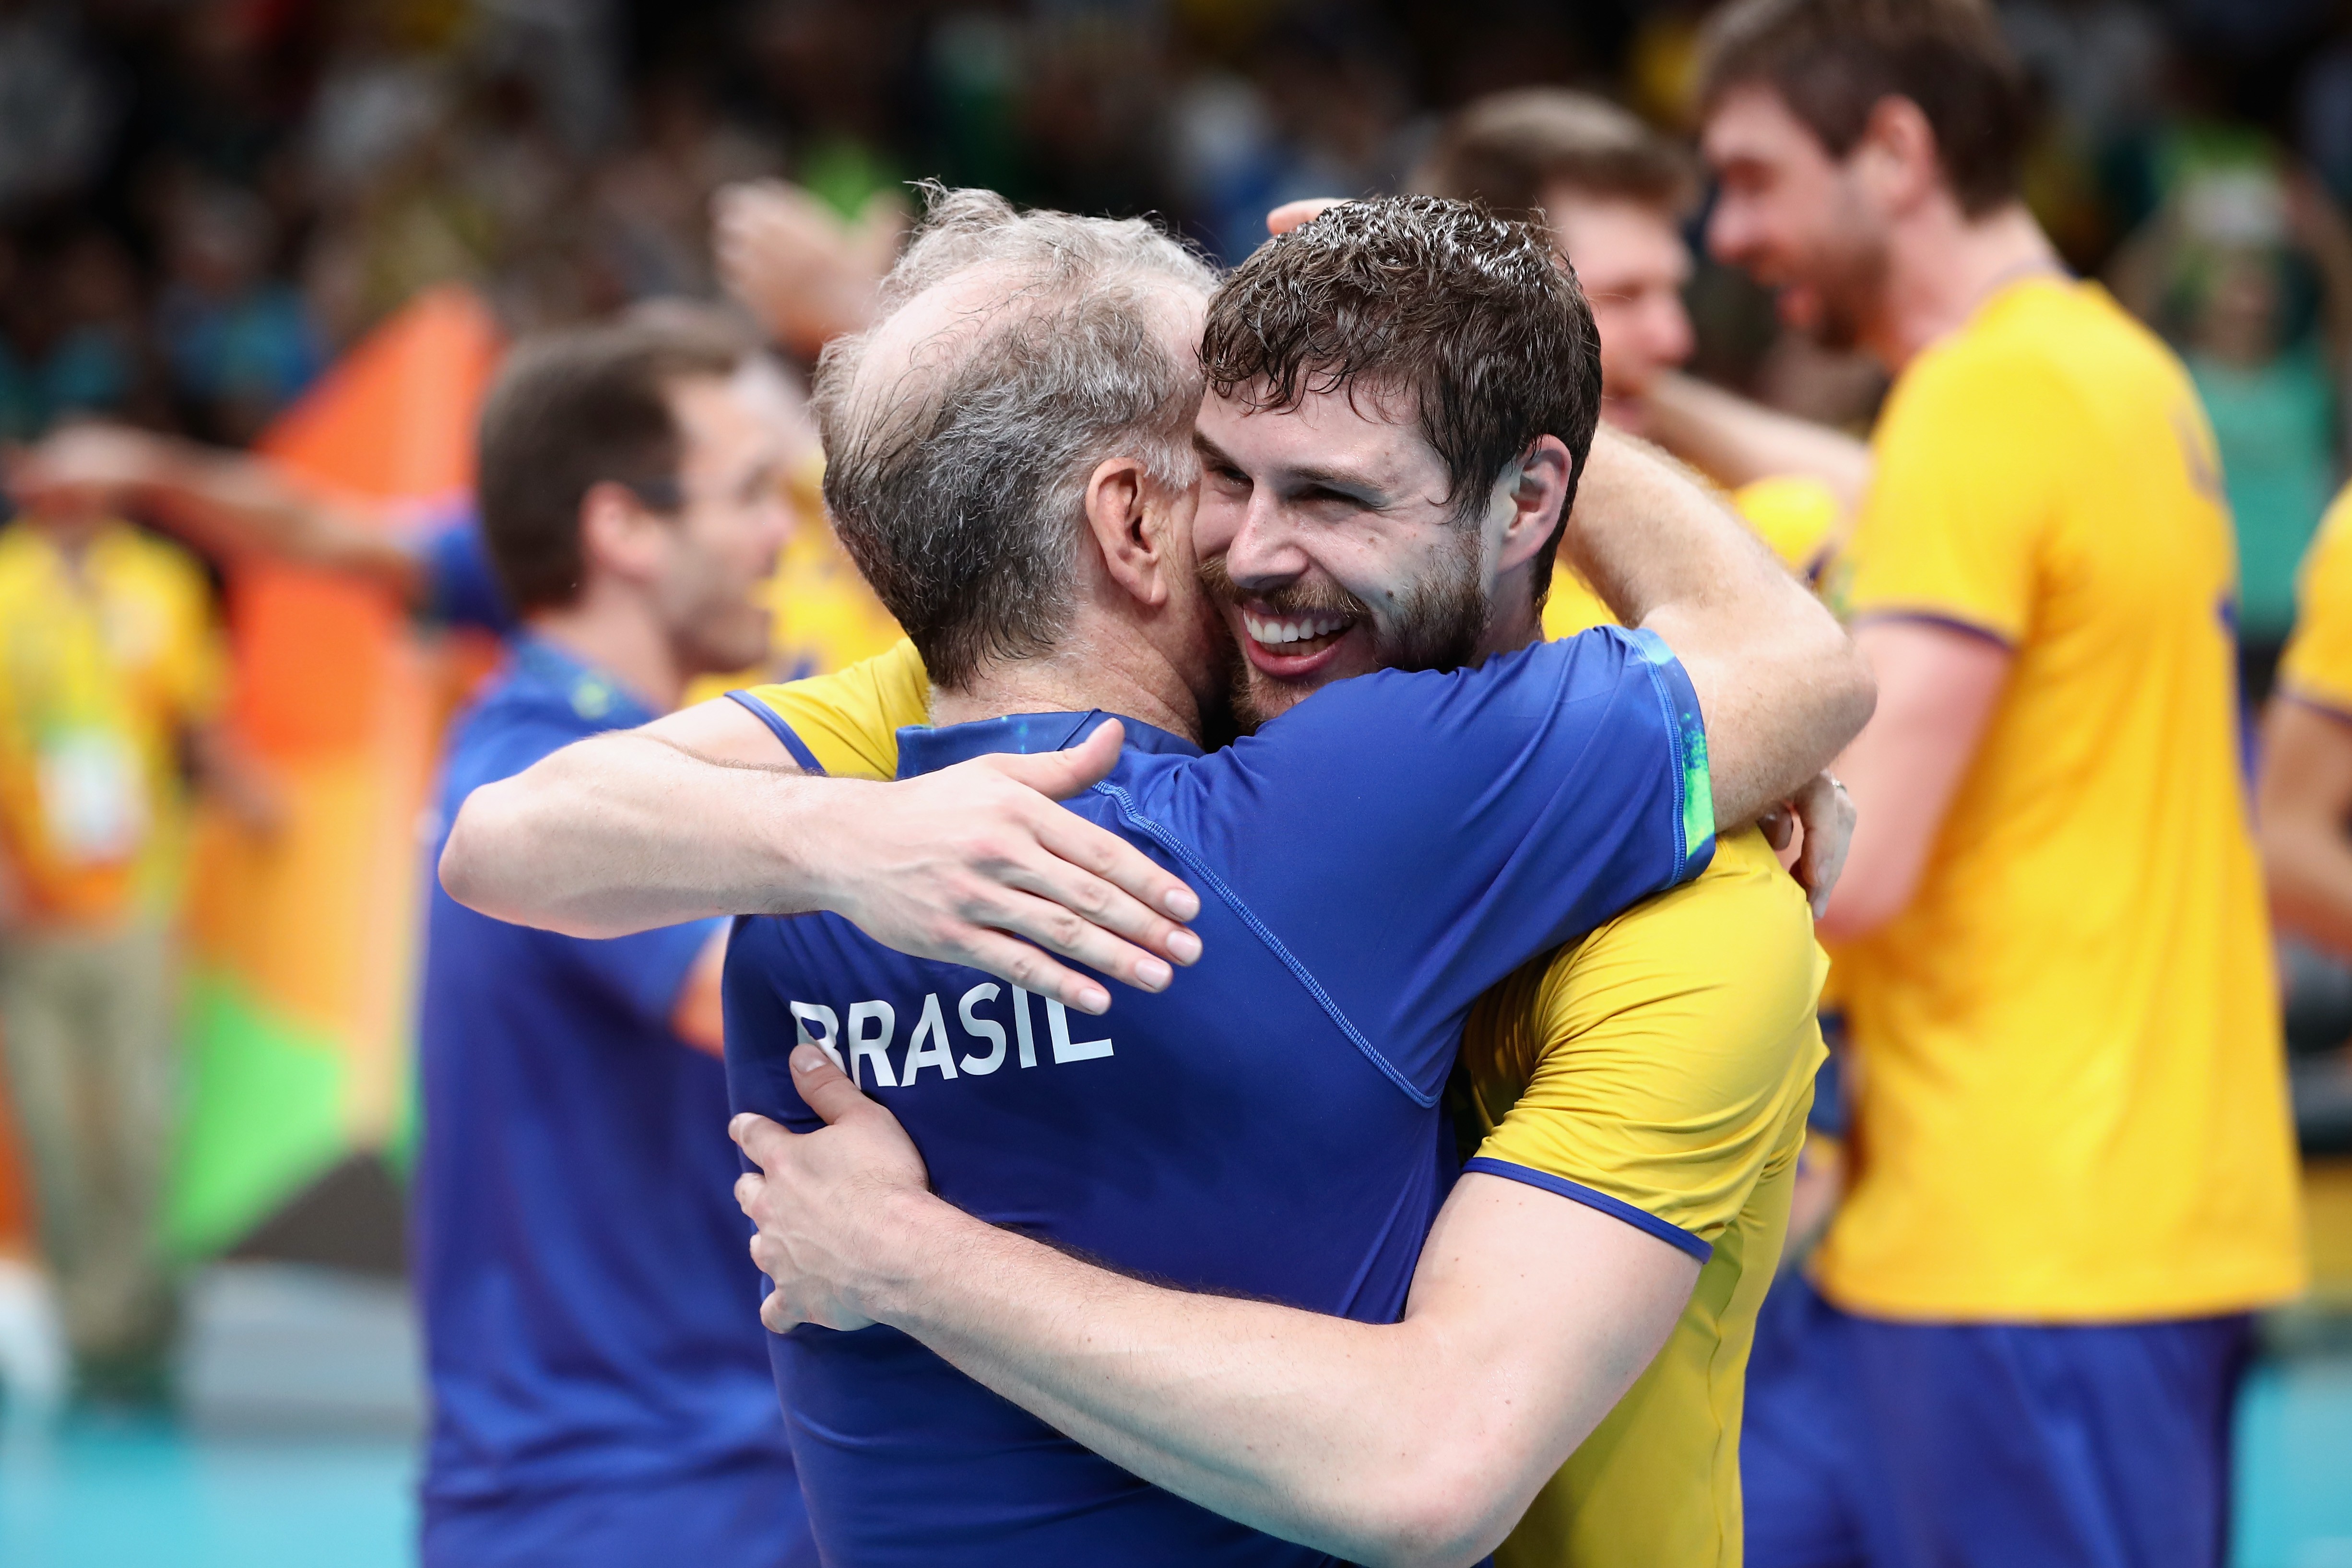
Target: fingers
x: 1033, y: 970
x: 1776, y: 826
x: 776, y: 1316
x: 1290, y: 215
x: 1059, y: 775
x: 763, y: 1143
x: 824, y: 1087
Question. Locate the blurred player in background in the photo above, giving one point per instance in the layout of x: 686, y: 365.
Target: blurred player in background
x: 2305, y: 794
x: 111, y: 683
x: 2074, y: 1173
x: 599, y: 1395
x: 1615, y: 195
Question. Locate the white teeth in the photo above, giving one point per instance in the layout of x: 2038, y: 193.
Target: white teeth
x: 1273, y: 633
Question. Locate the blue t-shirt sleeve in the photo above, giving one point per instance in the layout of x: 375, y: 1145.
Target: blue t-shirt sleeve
x: 642, y: 973
x: 461, y: 586
x: 1407, y: 839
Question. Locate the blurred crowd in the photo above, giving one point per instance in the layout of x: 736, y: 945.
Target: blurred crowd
x: 202, y: 201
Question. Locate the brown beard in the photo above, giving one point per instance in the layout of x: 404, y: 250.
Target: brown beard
x: 1441, y: 619
x: 1850, y: 283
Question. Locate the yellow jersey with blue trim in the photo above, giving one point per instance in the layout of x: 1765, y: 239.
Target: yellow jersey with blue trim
x: 2317, y: 668
x: 106, y: 656
x: 2071, y: 1102
x: 1659, y: 1070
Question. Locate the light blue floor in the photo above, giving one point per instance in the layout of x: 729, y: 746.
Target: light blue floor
x: 96, y: 1496
x: 124, y: 1495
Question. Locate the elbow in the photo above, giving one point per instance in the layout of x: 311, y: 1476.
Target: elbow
x: 1437, y: 1515
x: 464, y: 876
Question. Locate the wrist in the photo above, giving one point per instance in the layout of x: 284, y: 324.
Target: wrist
x: 909, y: 1242
x: 808, y: 830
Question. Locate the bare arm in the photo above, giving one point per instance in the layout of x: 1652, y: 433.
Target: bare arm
x: 1780, y: 686
x: 695, y: 815
x: 225, y: 502
x: 1417, y: 1442
x: 1937, y: 689
x: 2303, y: 799
x: 1736, y: 442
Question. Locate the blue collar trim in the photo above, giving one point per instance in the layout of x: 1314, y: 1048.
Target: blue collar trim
x: 596, y: 698
x: 923, y: 749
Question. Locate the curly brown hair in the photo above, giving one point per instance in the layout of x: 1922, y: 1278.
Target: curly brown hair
x: 1471, y: 318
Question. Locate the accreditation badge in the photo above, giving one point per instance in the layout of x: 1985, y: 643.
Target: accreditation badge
x: 93, y: 796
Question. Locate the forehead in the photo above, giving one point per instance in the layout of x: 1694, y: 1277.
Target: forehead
x: 721, y: 419
x: 1752, y: 122
x: 1603, y: 235
x: 1358, y: 432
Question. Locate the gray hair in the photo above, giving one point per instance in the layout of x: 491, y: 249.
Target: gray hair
x: 959, y: 489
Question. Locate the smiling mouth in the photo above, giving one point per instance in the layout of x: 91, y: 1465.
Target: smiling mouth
x: 1296, y: 636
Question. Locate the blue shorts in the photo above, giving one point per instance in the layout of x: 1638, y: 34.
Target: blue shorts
x: 1871, y: 1444
x: 748, y: 1516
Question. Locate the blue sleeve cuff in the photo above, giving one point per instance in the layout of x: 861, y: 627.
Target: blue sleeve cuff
x: 1694, y: 828
x: 1615, y: 1208
x: 781, y: 730
x: 461, y: 585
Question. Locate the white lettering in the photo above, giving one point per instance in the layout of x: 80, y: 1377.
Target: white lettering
x: 1020, y: 1027
x: 985, y: 1029
x: 874, y: 1048
x: 829, y: 1041
x: 930, y: 1027
x: 1057, y: 1023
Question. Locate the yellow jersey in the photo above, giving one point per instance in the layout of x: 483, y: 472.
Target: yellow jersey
x: 1660, y: 1068
x: 1794, y: 514
x: 105, y: 659
x: 1664, y: 1062
x: 2071, y: 1101
x: 2318, y: 666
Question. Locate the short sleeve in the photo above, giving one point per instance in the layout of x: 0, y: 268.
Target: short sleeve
x: 1652, y: 1070
x: 461, y: 585
x: 1406, y: 839
x: 1968, y: 477
x: 849, y: 720
x: 643, y: 972
x: 2318, y: 666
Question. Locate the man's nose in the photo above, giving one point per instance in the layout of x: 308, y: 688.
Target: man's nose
x: 1727, y: 230
x: 1265, y: 552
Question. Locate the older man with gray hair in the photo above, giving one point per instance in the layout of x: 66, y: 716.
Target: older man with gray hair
x: 1385, y: 488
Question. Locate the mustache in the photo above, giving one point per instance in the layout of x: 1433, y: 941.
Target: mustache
x: 1299, y: 598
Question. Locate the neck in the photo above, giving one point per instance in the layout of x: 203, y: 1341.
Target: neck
x: 619, y: 635
x: 1944, y: 266
x: 1112, y: 668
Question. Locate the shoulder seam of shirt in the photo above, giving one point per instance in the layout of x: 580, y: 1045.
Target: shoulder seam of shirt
x: 1175, y: 846
x: 1640, y: 1219
x: 783, y: 731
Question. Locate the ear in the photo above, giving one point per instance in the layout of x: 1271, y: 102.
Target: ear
x: 1129, y: 533
x: 1896, y: 159
x: 1535, y: 498
x: 619, y: 535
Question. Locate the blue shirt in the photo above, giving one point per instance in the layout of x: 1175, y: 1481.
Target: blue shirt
x: 591, y: 1310
x: 1368, y: 863
x: 461, y: 582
